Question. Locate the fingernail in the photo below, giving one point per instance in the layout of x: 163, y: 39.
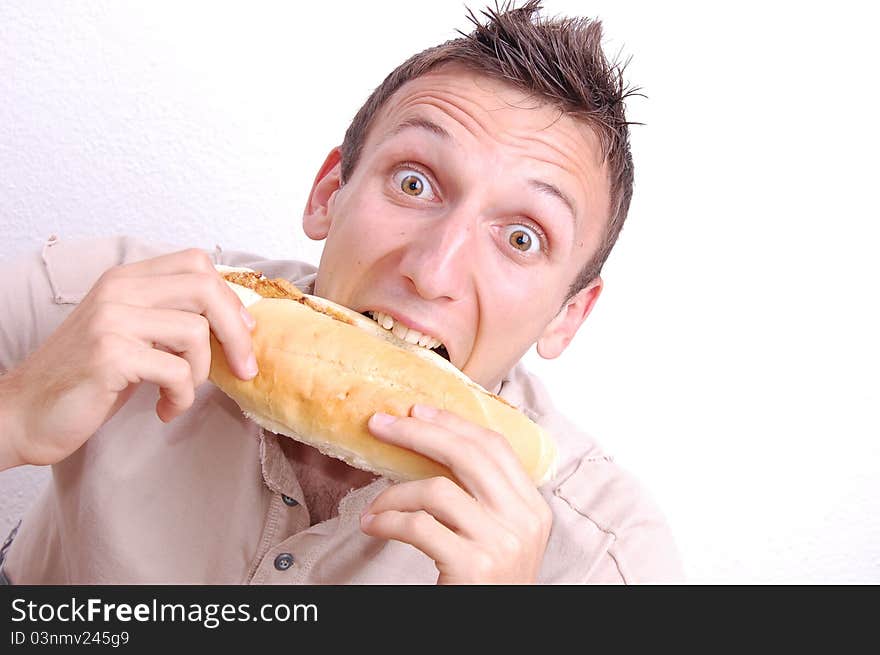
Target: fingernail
x: 380, y: 420
x: 251, y: 367
x: 424, y: 411
x: 366, y: 519
x: 249, y: 320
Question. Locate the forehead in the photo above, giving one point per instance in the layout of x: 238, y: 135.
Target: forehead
x: 481, y: 102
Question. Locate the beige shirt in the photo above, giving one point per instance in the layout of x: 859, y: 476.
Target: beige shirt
x: 212, y: 498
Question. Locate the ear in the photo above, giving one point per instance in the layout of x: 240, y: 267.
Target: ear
x: 561, y: 330
x: 317, y: 216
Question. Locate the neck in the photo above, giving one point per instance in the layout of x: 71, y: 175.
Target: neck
x: 331, y: 471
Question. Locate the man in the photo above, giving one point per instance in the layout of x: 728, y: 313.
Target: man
x: 473, y: 201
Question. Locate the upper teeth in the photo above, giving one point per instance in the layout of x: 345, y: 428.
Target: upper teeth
x: 402, y: 332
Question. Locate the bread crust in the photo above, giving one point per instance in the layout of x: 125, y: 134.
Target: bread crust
x: 324, y: 370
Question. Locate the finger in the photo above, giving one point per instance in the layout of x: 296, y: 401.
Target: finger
x: 183, y: 333
x: 493, y: 444
x: 418, y: 529
x: 171, y: 373
x: 500, y: 447
x: 481, y: 476
x: 199, y: 293
x: 191, y: 260
x: 440, y: 497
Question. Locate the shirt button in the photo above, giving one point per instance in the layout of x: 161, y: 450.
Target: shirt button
x: 284, y: 561
x: 290, y: 502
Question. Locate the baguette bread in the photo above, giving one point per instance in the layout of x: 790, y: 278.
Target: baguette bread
x: 325, y: 369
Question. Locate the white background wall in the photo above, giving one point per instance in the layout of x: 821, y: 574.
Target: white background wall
x: 732, y: 362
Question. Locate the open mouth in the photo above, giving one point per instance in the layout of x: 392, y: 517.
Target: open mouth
x: 409, y: 335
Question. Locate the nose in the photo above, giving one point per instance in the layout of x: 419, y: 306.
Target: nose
x: 439, y: 260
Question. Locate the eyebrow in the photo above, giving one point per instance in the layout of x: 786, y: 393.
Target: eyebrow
x: 555, y: 192
x: 417, y: 122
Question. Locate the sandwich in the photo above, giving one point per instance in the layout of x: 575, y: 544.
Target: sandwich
x: 324, y: 369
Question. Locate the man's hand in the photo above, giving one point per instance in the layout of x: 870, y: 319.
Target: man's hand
x: 491, y: 530
x: 148, y: 321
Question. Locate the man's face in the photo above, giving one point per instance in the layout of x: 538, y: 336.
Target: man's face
x: 468, y: 215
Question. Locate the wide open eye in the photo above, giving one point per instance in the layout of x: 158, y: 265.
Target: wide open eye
x: 522, y: 238
x: 413, y: 183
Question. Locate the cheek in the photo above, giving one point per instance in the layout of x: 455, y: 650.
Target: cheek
x: 519, y: 307
x: 365, y: 241
x: 508, y: 314
x: 354, y: 221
